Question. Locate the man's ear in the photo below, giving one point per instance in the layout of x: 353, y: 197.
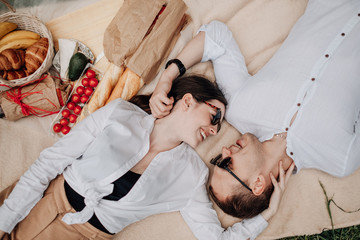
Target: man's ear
x: 259, y: 185
x: 187, y: 100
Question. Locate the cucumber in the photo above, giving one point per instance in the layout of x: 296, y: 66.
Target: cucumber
x: 77, y: 65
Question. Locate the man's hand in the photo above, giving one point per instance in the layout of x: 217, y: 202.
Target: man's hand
x: 279, y: 188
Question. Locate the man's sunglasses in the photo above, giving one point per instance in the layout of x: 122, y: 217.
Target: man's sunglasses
x: 224, y: 164
x: 217, y: 117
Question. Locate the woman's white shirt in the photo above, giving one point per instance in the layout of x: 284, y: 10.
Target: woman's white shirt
x: 102, y: 148
x: 315, y: 73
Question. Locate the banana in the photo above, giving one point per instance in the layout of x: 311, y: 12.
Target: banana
x: 6, y: 27
x: 20, y: 43
x: 18, y: 34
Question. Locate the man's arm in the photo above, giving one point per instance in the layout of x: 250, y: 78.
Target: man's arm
x: 214, y: 42
x: 192, y: 53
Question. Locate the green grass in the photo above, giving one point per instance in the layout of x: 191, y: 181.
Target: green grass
x: 349, y: 233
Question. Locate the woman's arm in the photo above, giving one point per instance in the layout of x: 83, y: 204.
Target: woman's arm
x: 51, y: 162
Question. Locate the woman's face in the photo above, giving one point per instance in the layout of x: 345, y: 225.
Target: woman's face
x: 199, y: 121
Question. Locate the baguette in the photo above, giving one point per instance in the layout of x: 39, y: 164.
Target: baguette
x: 106, y: 86
x: 127, y: 86
x: 102, y: 91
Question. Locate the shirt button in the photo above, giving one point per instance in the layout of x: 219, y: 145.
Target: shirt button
x: 299, y: 104
x: 291, y: 153
x: 342, y: 34
x: 286, y: 129
x: 313, y: 79
x: 326, y: 55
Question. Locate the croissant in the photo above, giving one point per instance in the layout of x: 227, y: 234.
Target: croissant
x: 36, y: 54
x: 14, y: 74
x: 12, y: 59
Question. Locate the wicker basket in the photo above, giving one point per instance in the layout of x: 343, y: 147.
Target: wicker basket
x: 31, y: 23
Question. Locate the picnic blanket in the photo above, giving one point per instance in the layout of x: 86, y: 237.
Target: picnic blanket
x: 259, y: 27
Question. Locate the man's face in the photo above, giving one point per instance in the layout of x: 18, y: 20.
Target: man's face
x: 246, y: 159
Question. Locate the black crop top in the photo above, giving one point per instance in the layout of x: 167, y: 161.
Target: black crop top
x: 121, y: 187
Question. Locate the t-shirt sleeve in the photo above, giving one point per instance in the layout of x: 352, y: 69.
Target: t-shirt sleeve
x: 229, y: 64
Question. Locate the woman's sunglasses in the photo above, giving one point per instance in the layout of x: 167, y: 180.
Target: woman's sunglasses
x: 217, y: 117
x: 224, y: 164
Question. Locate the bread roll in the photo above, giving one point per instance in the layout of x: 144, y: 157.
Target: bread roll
x: 127, y: 87
x: 12, y: 59
x: 36, y: 54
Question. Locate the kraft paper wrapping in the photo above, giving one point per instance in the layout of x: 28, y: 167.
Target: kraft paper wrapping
x: 131, y: 39
x: 40, y: 98
x: 138, y: 40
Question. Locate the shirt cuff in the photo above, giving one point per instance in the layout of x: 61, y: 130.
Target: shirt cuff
x: 8, y: 219
x: 255, y: 225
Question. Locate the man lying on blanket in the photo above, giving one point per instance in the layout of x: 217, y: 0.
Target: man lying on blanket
x: 302, y: 107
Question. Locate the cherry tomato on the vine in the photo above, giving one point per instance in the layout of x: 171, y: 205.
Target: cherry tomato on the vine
x: 57, y: 127
x: 65, y: 130
x: 90, y: 73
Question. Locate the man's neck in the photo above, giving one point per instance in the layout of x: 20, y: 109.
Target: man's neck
x: 276, y: 151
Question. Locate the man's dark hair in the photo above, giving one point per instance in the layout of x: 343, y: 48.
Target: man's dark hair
x: 244, y: 204
x: 200, y: 88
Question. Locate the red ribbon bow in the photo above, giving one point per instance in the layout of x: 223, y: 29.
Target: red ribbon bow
x: 17, y: 96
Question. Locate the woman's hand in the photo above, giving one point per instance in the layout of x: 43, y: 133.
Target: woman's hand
x: 279, y: 188
x: 192, y: 53
x: 160, y: 104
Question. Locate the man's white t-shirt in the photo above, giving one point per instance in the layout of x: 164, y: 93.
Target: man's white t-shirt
x: 315, y: 73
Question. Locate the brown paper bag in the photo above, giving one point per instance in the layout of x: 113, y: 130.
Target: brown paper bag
x: 40, y: 98
x: 143, y: 33
x: 138, y: 40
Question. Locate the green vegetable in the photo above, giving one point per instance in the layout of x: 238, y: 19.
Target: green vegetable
x: 76, y: 66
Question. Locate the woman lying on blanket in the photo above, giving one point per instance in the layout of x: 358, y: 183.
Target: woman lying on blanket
x: 120, y: 165
x: 292, y: 110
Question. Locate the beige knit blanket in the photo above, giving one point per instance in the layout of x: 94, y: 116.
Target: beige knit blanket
x: 260, y: 27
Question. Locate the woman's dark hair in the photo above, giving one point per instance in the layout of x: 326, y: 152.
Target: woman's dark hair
x: 199, y: 87
x: 244, y: 204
